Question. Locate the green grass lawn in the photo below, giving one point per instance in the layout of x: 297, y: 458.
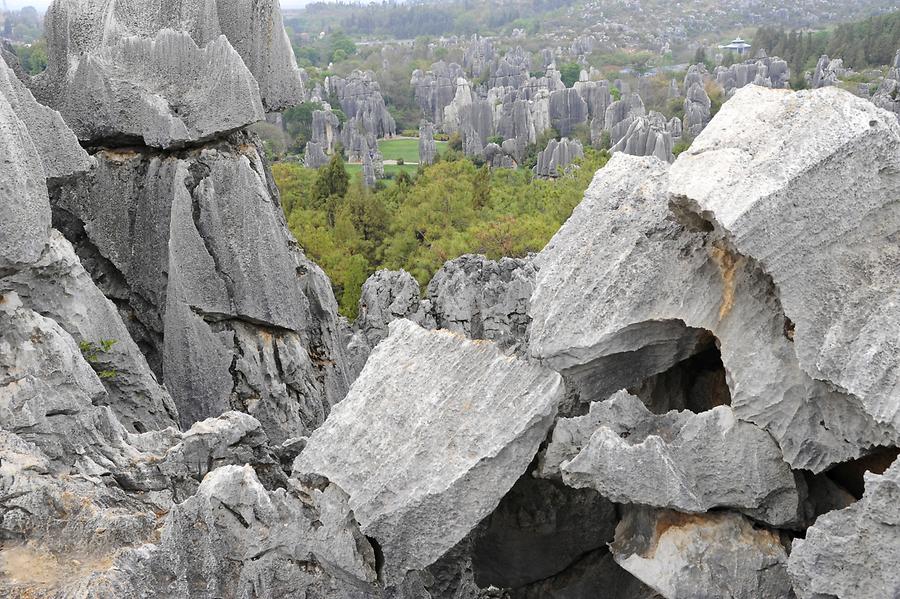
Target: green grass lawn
x: 407, y: 149
x: 355, y: 170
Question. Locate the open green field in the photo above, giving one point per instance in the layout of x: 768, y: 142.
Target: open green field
x: 407, y: 149
x: 355, y: 170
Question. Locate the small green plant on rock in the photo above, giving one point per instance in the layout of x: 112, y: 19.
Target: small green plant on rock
x: 92, y: 353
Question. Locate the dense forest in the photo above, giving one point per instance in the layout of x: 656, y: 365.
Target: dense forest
x: 861, y: 44
x: 417, y: 223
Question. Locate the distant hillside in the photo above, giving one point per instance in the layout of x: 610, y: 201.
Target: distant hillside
x: 646, y: 23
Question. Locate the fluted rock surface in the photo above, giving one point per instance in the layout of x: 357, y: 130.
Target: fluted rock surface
x: 195, y: 249
x: 427, y: 147
x: 557, y: 157
x: 853, y: 552
x: 689, y: 462
x: 79, y: 29
x: 819, y: 217
x: 681, y: 287
x: 447, y: 456
x: 647, y: 136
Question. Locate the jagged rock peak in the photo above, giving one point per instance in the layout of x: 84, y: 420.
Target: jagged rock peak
x: 158, y: 67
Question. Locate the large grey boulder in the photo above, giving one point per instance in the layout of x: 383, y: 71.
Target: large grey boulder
x: 688, y: 462
x: 388, y: 296
x: 827, y: 72
x: 360, y: 98
x: 314, y: 155
x: 78, y: 30
x: 557, y: 157
x: 817, y: 217
x: 435, y: 89
x: 162, y: 90
x: 608, y: 322
x: 325, y: 129
x: 229, y: 311
x: 718, y: 554
x: 451, y: 425
x: 853, y: 552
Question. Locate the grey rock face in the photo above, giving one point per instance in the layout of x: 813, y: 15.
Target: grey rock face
x: 680, y: 283
x: 483, y: 299
x: 596, y: 95
x: 232, y: 539
x: 427, y: 147
x: 479, y: 56
x: 683, y: 461
x: 444, y: 469
x: 647, y: 136
x: 827, y: 72
x: 219, y: 296
x: 696, y: 109
x: 314, y: 155
x: 620, y: 114
x: 557, y: 156
x: 766, y: 72
x: 853, y: 552
x: 368, y: 170
x: 887, y: 95
x: 84, y: 30
x: 512, y: 70
x: 848, y: 338
x: 567, y: 110
x: 325, y: 130
x: 57, y: 286
x: 159, y: 90
x: 361, y: 99
x: 476, y: 125
x: 712, y: 555
x: 436, y: 88
x: 540, y: 529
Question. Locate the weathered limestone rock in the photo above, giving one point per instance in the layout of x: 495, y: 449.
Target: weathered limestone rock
x: 231, y: 314
x: 888, y: 94
x: 608, y: 322
x: 647, y: 136
x: 827, y: 72
x: 683, y: 461
x: 325, y: 126
x: 452, y: 113
x: 443, y: 468
x: 596, y: 95
x: 712, y: 555
x: 358, y: 139
x: 163, y: 90
x: 595, y: 575
x: 512, y: 70
x: 766, y: 72
x: 696, y: 109
x: 853, y: 552
x: 539, y: 529
x: 361, y: 99
x: 368, y: 170
x: 479, y: 56
x: 86, y: 30
x: 427, y: 147
x: 567, y: 111
x: 620, y: 114
x: 55, y: 143
x: 57, y: 286
x: 557, y: 157
x: 435, y: 89
x: 234, y: 538
x: 817, y: 217
x: 476, y: 125
x: 483, y: 299
x: 496, y: 157
x: 314, y: 155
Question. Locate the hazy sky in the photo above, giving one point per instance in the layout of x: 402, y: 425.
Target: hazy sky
x: 42, y: 4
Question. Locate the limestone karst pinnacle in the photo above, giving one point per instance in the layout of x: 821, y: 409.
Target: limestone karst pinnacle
x: 668, y: 400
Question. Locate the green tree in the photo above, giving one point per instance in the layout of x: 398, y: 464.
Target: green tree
x: 570, y: 73
x: 331, y: 183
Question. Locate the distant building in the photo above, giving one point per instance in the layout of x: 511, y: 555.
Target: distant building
x: 737, y: 45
